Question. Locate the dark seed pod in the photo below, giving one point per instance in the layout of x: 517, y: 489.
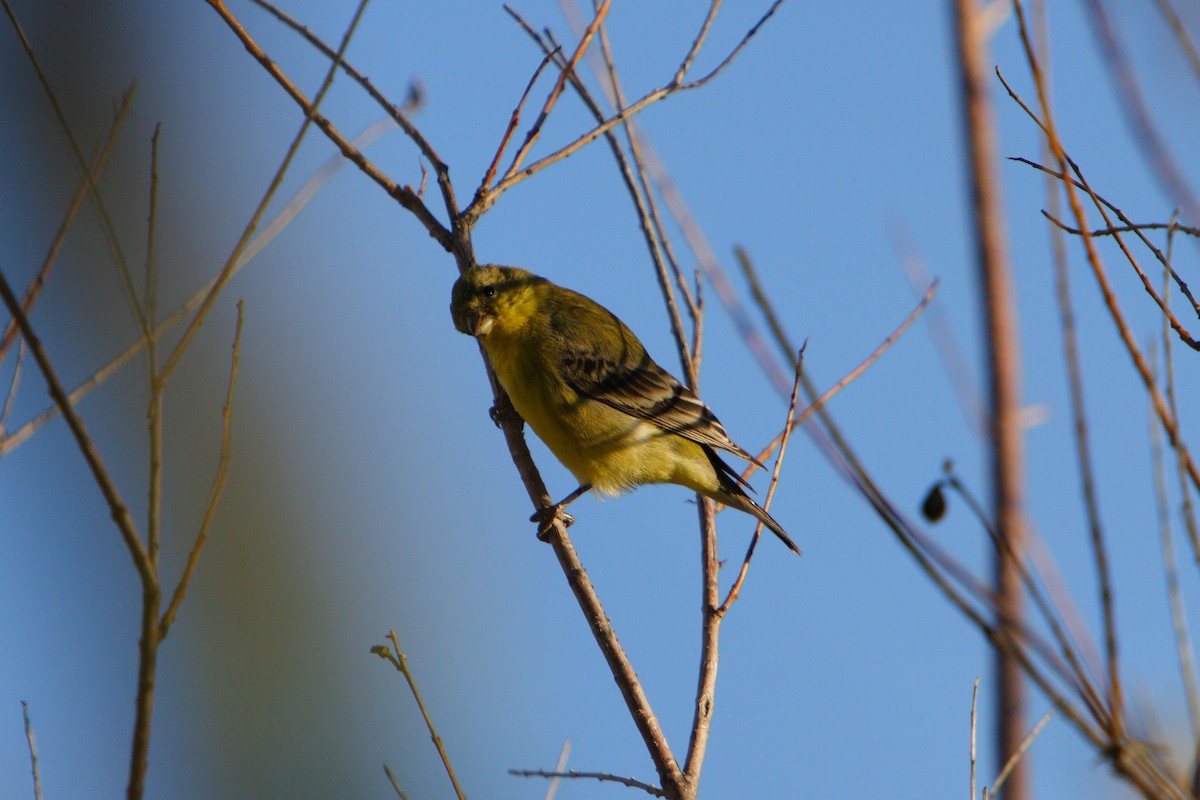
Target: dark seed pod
x: 934, y: 506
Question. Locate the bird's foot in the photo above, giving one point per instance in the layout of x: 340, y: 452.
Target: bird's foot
x: 546, y: 516
x: 500, y: 415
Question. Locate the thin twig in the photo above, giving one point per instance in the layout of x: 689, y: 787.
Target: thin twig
x: 482, y: 204
x: 1136, y: 764
x: 513, y: 121
x: 1186, y: 509
x: 535, y: 130
x: 400, y: 662
x: 120, y: 511
x: 1170, y: 422
x: 1130, y: 228
x: 395, y: 783
x: 741, y: 45
x: 1101, y: 204
x: 399, y: 114
x: 658, y: 243
x: 311, y: 116
x: 261, y: 238
x: 974, y: 699
x: 1137, y: 111
x: 1016, y: 757
x: 698, y: 42
x: 1071, y: 667
x: 13, y: 385
x: 34, y: 289
x: 106, y: 223
x: 1179, y: 621
x: 788, y: 426
x: 849, y: 377
x: 1084, y: 458
x: 404, y: 195
x: 33, y: 754
x: 215, y: 492
x: 602, y: 777
x: 157, y: 388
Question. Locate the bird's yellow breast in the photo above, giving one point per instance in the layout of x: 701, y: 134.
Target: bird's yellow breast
x: 600, y: 445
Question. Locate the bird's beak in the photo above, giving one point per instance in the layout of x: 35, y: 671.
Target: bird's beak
x: 480, y: 325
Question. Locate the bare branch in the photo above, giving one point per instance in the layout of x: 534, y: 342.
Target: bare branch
x: 535, y: 131
x: 311, y: 115
x: 215, y: 492
x: 106, y: 224
x: 33, y: 754
x: 399, y: 114
x: 602, y: 777
x: 1003, y: 367
x: 400, y: 662
x: 85, y: 187
x: 788, y: 426
x: 513, y: 121
x: 404, y: 195
x: 116, y: 505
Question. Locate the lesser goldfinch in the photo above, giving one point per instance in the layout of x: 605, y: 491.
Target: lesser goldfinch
x: 586, y: 386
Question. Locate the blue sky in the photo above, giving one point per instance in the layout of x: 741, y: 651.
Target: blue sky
x: 369, y: 490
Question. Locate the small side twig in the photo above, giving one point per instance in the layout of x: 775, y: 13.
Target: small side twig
x: 404, y: 195
x: 106, y: 223
x: 395, y: 783
x: 1016, y: 757
x: 535, y: 130
x: 513, y: 121
x: 736, y: 588
x: 400, y: 661
x: 602, y: 777
x: 89, y: 180
x: 850, y: 376
x: 1132, y: 228
x: 262, y: 237
x: 215, y: 492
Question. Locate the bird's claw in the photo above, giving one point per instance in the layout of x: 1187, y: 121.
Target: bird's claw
x: 546, y: 517
x: 507, y: 414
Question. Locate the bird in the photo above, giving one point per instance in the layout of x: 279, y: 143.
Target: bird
x: 586, y: 386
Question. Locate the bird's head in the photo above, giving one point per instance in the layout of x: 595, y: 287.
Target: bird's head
x: 488, y: 296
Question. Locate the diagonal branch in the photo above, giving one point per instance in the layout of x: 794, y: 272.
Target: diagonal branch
x: 85, y: 187
x: 404, y: 195
x: 116, y: 505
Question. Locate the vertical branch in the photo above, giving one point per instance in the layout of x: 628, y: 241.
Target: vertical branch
x: 155, y: 406
x: 710, y: 628
x: 1004, y: 378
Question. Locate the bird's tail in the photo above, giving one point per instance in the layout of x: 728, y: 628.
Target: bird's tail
x: 742, y: 502
x: 732, y: 495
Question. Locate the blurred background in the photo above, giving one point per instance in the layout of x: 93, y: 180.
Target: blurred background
x: 369, y: 490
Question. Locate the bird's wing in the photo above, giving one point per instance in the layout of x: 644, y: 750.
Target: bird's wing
x: 627, y: 379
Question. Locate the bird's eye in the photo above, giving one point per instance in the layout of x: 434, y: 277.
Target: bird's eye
x: 488, y: 291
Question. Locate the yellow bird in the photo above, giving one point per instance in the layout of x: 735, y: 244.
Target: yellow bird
x: 586, y: 386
